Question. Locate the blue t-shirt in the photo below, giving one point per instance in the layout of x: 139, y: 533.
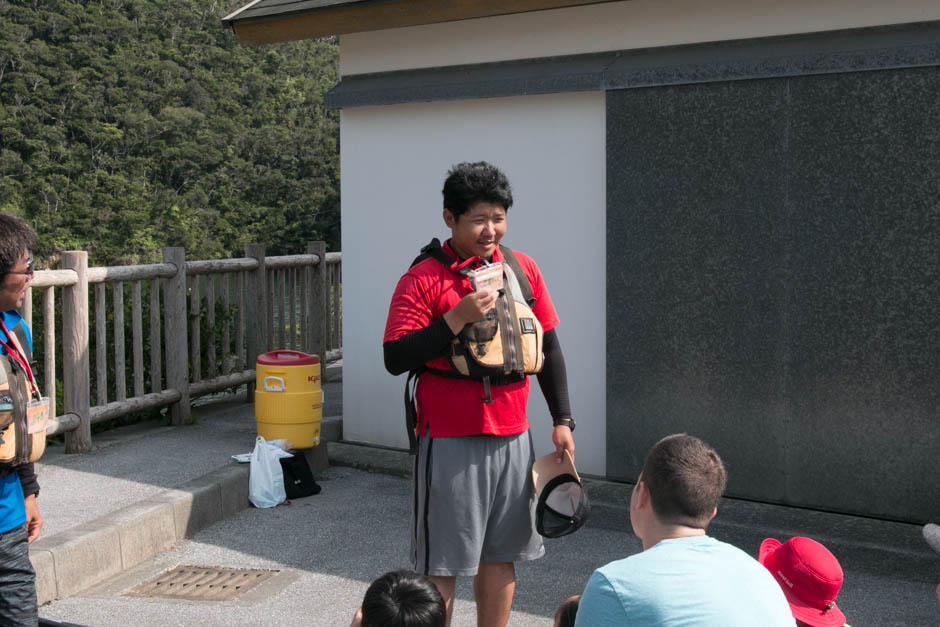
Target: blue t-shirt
x: 12, y: 508
x: 684, y: 581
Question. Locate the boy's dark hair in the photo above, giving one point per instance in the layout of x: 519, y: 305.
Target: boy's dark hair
x: 686, y: 479
x: 470, y: 183
x: 403, y: 598
x: 568, y: 612
x: 16, y: 237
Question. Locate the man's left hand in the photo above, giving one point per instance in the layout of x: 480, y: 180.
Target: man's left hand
x: 562, y: 439
x: 33, y: 519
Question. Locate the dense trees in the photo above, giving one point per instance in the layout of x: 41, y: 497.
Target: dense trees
x: 128, y: 125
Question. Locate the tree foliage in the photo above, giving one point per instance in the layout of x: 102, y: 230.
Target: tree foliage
x: 129, y: 125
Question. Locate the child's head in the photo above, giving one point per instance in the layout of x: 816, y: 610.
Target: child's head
x: 402, y: 598
x: 810, y: 577
x: 567, y: 612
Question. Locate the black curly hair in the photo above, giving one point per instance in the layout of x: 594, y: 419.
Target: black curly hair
x: 470, y: 183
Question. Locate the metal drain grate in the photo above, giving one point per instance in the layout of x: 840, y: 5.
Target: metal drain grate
x: 202, y: 583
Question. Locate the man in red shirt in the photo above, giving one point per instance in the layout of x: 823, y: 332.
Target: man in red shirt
x: 474, y: 500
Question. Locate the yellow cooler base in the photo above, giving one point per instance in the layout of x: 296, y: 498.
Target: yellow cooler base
x: 300, y: 436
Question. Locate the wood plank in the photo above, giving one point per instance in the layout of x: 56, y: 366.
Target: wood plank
x: 140, y: 403
x: 217, y: 266
x: 210, y: 324
x: 195, y: 313
x: 265, y: 25
x: 120, y: 367
x: 101, y: 343
x: 75, y: 391
x: 305, y: 274
x: 240, y: 320
x: 48, y: 327
x: 318, y: 300
x: 174, y: 320
x: 137, y: 334
x: 104, y: 274
x: 48, y: 278
x: 255, y: 310
x: 227, y: 281
x: 234, y: 379
x: 156, y: 367
x: 27, y: 311
x: 282, y: 305
x: 292, y: 291
x: 269, y: 309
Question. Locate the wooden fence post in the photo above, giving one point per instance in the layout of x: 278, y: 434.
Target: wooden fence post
x: 75, y: 376
x: 256, y: 311
x: 175, y: 327
x: 318, y: 300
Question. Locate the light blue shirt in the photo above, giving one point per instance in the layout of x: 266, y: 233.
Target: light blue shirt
x: 684, y: 581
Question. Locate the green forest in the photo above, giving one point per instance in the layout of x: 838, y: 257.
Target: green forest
x: 130, y: 125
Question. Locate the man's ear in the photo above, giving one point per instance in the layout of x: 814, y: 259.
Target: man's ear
x: 449, y: 219
x: 642, y: 494
x: 714, y: 511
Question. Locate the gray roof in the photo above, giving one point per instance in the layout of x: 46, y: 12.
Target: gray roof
x: 286, y: 8
x: 268, y: 21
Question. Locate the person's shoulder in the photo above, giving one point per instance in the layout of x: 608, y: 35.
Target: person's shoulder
x: 523, y: 258
x: 623, y: 568
x: 527, y: 263
x: 729, y: 551
x: 425, y: 269
x: 12, y: 318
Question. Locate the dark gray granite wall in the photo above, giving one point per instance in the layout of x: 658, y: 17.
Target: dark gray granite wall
x: 773, y: 283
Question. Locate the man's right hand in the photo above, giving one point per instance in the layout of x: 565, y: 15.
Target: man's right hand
x: 471, y: 308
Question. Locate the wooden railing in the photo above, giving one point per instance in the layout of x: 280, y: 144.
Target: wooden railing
x: 223, y: 313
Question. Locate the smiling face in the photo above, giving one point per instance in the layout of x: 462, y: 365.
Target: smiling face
x: 478, y: 231
x: 15, y: 283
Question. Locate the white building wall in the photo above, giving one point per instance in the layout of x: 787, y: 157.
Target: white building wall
x: 394, y: 160
x: 613, y: 26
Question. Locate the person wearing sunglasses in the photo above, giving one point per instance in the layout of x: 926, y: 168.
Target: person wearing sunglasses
x: 20, y: 520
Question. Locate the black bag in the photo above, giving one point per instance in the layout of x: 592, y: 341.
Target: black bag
x: 298, y: 479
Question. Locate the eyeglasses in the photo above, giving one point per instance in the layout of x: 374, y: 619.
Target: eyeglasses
x: 30, y: 267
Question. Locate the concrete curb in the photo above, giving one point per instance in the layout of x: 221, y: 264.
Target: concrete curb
x: 610, y: 505
x: 90, y: 553
x: 87, y: 554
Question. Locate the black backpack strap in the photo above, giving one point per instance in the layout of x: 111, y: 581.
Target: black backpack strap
x: 433, y: 249
x: 510, y: 258
x: 411, y: 410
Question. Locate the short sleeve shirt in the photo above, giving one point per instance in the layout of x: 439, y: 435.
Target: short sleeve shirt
x: 454, y: 407
x: 683, y: 582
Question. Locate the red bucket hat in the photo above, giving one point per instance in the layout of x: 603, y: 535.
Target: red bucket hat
x: 810, y: 577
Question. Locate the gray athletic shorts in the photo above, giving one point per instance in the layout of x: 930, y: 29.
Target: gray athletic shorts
x: 473, y: 502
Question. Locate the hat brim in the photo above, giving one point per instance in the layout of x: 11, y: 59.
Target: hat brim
x: 832, y: 617
x: 547, y: 468
x: 570, y: 516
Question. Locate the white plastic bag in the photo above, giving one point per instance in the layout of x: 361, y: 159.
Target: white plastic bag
x: 266, y: 479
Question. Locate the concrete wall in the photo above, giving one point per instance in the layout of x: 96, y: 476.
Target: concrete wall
x: 774, y: 284
x: 767, y: 266
x: 613, y: 26
x: 394, y: 160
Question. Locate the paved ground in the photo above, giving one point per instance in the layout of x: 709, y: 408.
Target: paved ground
x: 327, y: 548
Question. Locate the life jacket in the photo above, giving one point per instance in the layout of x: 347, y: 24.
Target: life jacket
x: 502, y: 348
x: 20, y: 443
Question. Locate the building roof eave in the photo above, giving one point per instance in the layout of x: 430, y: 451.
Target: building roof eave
x: 271, y: 21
